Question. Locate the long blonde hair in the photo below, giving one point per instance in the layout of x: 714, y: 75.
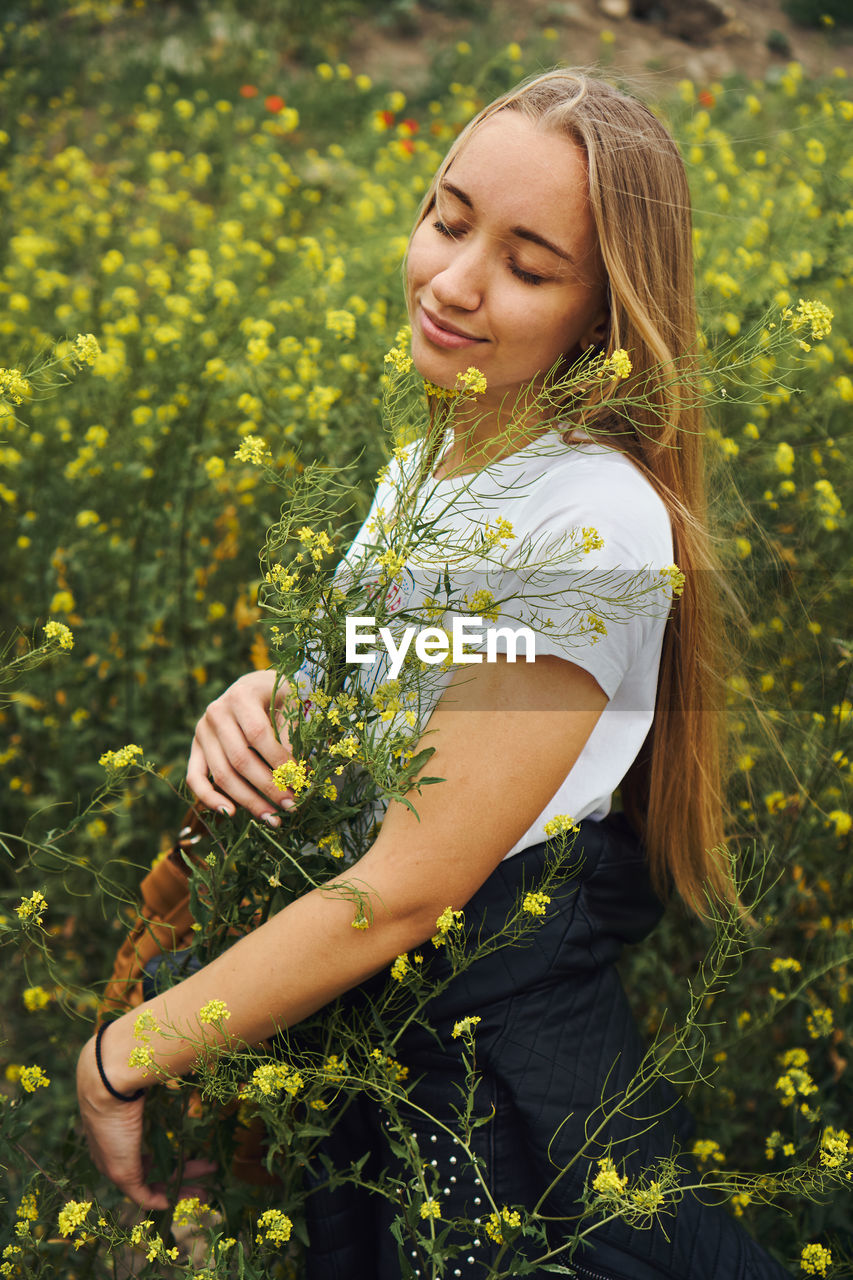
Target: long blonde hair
x: 641, y: 207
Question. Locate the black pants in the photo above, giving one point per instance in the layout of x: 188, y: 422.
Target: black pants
x: 556, y: 1038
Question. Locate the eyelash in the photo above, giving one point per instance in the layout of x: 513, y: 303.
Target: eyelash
x: 527, y: 277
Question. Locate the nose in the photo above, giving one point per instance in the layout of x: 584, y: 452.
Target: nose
x: 462, y: 280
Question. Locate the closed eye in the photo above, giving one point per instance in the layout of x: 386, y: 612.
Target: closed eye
x: 528, y: 277
x: 455, y: 233
x: 451, y: 233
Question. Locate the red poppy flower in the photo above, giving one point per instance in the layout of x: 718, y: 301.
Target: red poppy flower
x: 706, y: 98
x: 274, y: 103
x: 407, y: 145
x: 412, y: 125
x: 248, y: 91
x: 387, y: 118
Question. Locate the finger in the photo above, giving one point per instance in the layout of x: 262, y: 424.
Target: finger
x: 242, y: 777
x: 199, y: 783
x: 257, y: 730
x: 138, y: 1191
x: 245, y: 739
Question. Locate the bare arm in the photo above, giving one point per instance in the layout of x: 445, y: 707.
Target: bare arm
x: 501, y: 764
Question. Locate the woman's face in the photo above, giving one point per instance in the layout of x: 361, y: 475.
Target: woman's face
x: 503, y: 273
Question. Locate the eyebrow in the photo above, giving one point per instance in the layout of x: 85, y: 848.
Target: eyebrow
x: 520, y: 233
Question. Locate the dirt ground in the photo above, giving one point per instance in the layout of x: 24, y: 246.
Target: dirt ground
x: 703, y: 40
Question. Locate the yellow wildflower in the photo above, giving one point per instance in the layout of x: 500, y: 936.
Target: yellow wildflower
x: 815, y: 1259
x: 214, y: 1013
x: 58, y: 633
x: 253, y: 449
x: 114, y: 761
x: 449, y: 919
x: 31, y: 909
x: 535, y: 903
x: 72, y: 1216
x: 292, y: 774
x: 465, y: 1025
x: 471, y: 382
x: 560, y: 825
x: 607, y: 1182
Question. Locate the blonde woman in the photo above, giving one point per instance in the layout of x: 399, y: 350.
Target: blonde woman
x: 559, y: 221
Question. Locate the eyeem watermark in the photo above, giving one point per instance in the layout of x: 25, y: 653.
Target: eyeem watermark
x: 433, y: 645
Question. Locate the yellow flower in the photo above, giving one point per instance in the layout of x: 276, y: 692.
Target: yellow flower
x: 114, y: 761
x: 189, y: 1209
x: 817, y: 316
x: 36, y: 998
x: 449, y: 919
x: 794, y: 1082
x: 332, y: 844
x: 841, y: 820
x: 619, y: 362
x: 674, y: 578
x: 58, y: 633
x: 214, y: 1013
x: 73, y: 1215
x: 31, y: 909
x: 14, y: 385
x: 399, y: 360
x: 253, y: 449
x: 482, y: 604
x: 465, y: 1025
x: 33, y: 1078
x: 400, y: 967
x: 834, y: 1148
x: 784, y: 458
x: 430, y: 1209
x: 28, y: 1208
x: 607, y: 1182
x: 391, y: 1066
x: 499, y: 1221
x: 471, y: 382
x: 141, y: 1059
x: 705, y: 1149
x: 535, y: 903
x: 86, y: 349
x: 560, y: 825
x: 815, y: 1259
x: 62, y: 602
x: 592, y: 539
x: 292, y: 774
x: 820, y: 1022
x: 275, y: 1226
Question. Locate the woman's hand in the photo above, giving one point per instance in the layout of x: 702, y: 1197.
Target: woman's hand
x: 114, y: 1133
x: 235, y: 750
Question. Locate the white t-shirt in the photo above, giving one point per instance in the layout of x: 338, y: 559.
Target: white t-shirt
x: 554, y: 495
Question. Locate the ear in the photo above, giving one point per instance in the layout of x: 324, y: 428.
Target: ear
x: 596, y: 333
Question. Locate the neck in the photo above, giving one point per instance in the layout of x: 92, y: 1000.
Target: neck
x: 482, y: 435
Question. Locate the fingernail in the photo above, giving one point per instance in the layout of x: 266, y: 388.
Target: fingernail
x: 225, y: 811
x: 272, y: 819
x: 288, y: 803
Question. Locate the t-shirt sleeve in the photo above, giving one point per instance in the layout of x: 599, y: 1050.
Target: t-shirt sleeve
x: 583, y: 572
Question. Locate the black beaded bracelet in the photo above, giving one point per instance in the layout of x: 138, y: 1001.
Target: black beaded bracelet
x: 122, y: 1097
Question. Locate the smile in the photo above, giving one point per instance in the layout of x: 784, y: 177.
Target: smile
x: 443, y: 335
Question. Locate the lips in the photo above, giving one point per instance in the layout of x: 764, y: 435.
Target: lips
x: 442, y: 334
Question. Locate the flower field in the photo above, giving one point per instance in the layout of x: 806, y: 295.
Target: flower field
x: 225, y: 233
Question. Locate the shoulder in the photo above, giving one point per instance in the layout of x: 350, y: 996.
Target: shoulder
x: 586, y: 484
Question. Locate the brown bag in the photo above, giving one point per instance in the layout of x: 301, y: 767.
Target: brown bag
x: 164, y: 924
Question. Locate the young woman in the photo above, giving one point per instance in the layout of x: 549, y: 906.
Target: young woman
x: 559, y: 221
